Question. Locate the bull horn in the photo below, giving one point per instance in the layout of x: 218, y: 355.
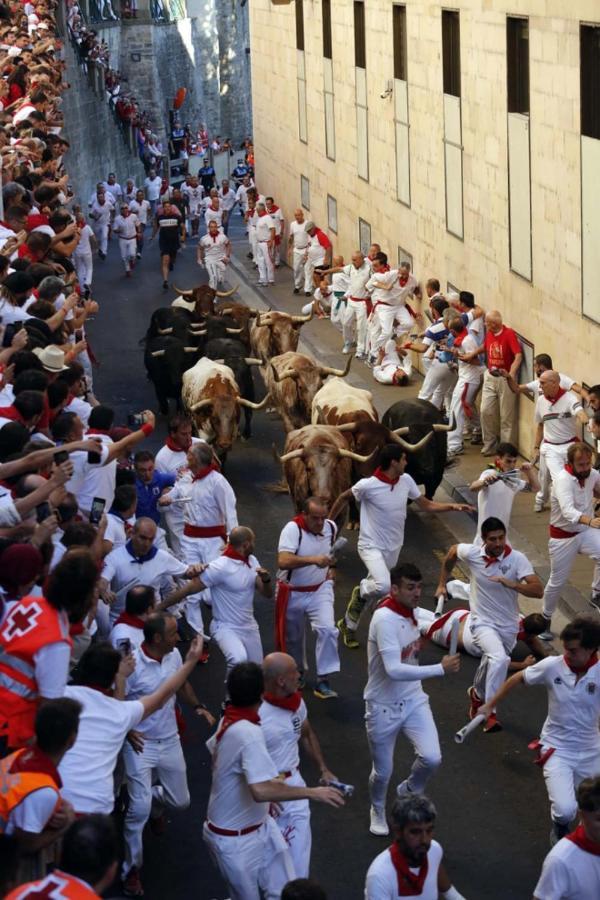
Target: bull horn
x: 258, y: 323
x: 286, y: 457
x: 158, y: 353
x: 287, y: 373
x: 412, y: 448
x: 191, y: 349
x: 219, y: 362
x: 348, y: 426
x: 201, y: 404
x: 194, y: 325
x: 234, y: 330
x: 403, y: 430
x: 165, y: 330
x: 437, y: 426
x: 197, y: 332
x: 349, y: 454
x: 226, y: 293
x: 253, y: 312
x: 252, y: 361
x: 183, y: 293
x: 243, y: 402
x: 303, y: 318
x: 341, y: 373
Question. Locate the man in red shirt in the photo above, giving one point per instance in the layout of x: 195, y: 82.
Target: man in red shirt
x: 498, y: 403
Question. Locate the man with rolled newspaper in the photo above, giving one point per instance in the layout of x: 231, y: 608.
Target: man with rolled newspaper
x: 498, y: 575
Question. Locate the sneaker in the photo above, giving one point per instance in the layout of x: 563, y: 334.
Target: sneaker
x: 360, y: 354
x: 101, y: 254
x: 403, y: 789
x: 132, y: 885
x: 539, y: 506
x: 488, y: 452
x: 307, y: 294
x: 165, y: 285
x: 138, y: 255
x: 476, y: 439
x: 452, y: 454
x: 492, y: 724
x: 476, y: 702
x: 379, y: 825
x: 594, y: 601
x: 296, y: 290
x: 546, y: 635
x: 370, y: 361
x: 158, y: 824
x: 323, y: 691
x: 348, y: 636
x: 347, y: 348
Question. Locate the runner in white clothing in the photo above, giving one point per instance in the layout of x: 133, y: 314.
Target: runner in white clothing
x: 126, y: 227
x: 470, y: 373
x: 383, y: 500
x: 390, y: 289
x: 412, y: 866
x: 358, y: 304
x: 393, y: 364
x: 193, y: 193
x: 247, y: 847
x: 498, y: 485
x: 214, y: 251
x: 569, y: 745
x: 142, y: 209
x: 498, y: 575
x: 284, y: 724
x: 297, y: 243
x: 394, y: 697
x: 128, y: 631
x: 305, y: 591
x: 101, y: 213
x: 572, y: 868
x: 266, y: 232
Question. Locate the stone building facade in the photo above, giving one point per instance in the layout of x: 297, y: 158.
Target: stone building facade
x: 466, y: 139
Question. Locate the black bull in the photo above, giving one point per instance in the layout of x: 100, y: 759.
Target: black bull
x: 427, y: 433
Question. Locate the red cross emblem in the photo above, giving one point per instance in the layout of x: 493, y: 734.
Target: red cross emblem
x: 19, y: 621
x: 49, y: 889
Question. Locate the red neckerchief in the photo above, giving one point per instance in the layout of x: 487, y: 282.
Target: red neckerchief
x: 9, y: 412
x: 35, y: 760
x: 235, y: 714
x: 301, y: 523
x: 263, y: 213
x: 170, y: 443
x: 233, y: 554
x: 409, y: 885
x: 380, y: 474
x: 402, y: 280
x: 389, y: 603
x: 580, y: 838
x: 589, y: 664
x: 488, y: 560
x: 561, y: 391
x: 273, y: 209
x: 129, y: 619
x: 290, y: 703
x: 459, y: 338
x: 98, y: 431
x: 570, y: 470
x: 385, y: 268
x: 205, y: 471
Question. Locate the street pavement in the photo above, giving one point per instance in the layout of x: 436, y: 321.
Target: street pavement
x: 493, y: 816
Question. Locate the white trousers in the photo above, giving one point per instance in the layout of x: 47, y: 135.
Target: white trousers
x: 199, y: 550
x: 338, y: 311
x: 379, y: 564
x: 496, y: 647
x: 389, y: 374
x: 317, y: 607
x: 162, y: 761
x: 381, y: 324
x: 216, y: 272
x: 384, y: 722
x: 293, y: 820
x: 237, y: 643
x: 298, y: 267
x: 562, y: 556
x: 101, y: 233
x: 84, y: 266
x: 309, y: 268
x: 266, y: 271
x: 253, y: 243
x: 355, y: 321
x: 251, y: 863
x: 563, y: 772
x: 553, y: 458
x: 438, y: 384
x: 464, y: 393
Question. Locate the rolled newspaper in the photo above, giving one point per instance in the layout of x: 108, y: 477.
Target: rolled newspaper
x: 464, y: 733
x: 454, y: 637
x: 439, y: 607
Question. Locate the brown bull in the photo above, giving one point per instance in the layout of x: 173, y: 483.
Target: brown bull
x: 292, y: 380
x: 200, y: 300
x: 317, y: 462
x: 274, y: 333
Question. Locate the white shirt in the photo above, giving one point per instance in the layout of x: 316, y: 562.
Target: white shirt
x: 213, y: 215
x: 383, y: 510
x: 298, y: 234
x: 82, y: 469
x: 114, y: 190
x: 87, y: 768
x: 393, y: 658
x: 215, y: 248
x: 81, y: 407
x: 573, y: 705
x: 339, y: 282
x: 497, y: 499
x: 240, y: 758
x: 141, y: 210
x: 125, y: 226
x: 569, y: 873
x: 263, y: 227
x: 83, y: 248
x: 34, y: 811
x: 469, y: 373
x: 382, y: 879
x: 10, y: 314
x: 213, y: 500
x: 569, y: 500
x: 227, y: 200
x: 99, y: 481
x: 357, y: 279
x: 101, y: 212
x: 241, y: 196
x: 535, y: 388
x: 173, y: 462
x: 123, y: 632
x: 194, y: 197
x: 281, y: 729
x: 392, y: 297
x: 149, y: 674
x: 116, y: 532
x: 152, y: 186
x: 123, y: 571
x: 277, y: 217
x: 492, y: 603
x: 232, y: 585
x: 559, y: 417
x: 296, y: 540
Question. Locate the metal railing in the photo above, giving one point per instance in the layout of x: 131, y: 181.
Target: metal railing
x: 167, y: 10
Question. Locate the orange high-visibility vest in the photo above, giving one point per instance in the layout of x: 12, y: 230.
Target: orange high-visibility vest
x: 31, y: 624
x: 16, y: 786
x: 56, y: 886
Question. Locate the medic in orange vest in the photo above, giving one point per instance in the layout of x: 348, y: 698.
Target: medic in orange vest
x: 35, y: 646
x: 88, y: 864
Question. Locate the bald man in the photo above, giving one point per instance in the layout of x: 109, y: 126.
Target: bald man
x: 498, y: 403
x: 297, y: 244
x: 284, y: 723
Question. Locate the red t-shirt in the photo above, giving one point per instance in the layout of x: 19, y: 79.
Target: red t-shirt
x: 501, y: 349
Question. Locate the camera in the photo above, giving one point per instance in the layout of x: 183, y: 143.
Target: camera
x: 346, y: 789
x: 135, y: 420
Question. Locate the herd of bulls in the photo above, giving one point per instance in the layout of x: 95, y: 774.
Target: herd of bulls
x: 201, y: 352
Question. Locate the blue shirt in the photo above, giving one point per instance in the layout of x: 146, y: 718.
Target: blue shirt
x: 149, y: 494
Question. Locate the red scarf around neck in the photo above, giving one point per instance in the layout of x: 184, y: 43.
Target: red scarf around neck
x: 409, y: 885
x: 170, y: 443
x: 380, y: 474
x: 129, y: 619
x: 290, y: 703
x: 389, y: 603
x: 233, y: 554
x: 488, y: 560
x: 264, y: 213
x: 459, y: 338
x: 580, y: 838
x: 571, y: 471
x: 301, y: 523
x: 589, y: 664
x: 235, y: 714
x: 202, y: 473
x: 561, y: 391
